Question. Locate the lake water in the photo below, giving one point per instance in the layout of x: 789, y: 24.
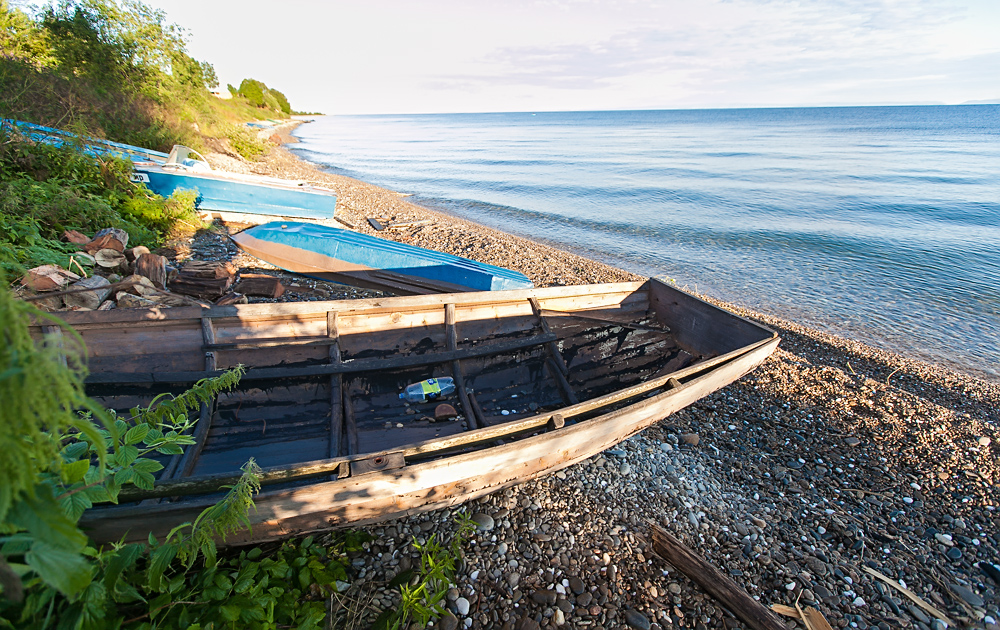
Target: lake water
x: 877, y: 223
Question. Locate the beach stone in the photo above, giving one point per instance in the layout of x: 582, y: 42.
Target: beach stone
x: 852, y: 441
x: 970, y: 598
x: 559, y: 617
x: 526, y: 623
x: 985, y: 441
x: 462, y: 606
x: 918, y: 614
x: 691, y: 438
x: 484, y: 522
x: 545, y: 597
x: 584, y: 599
x: 444, y: 412
x: 452, y: 594
x: 576, y: 585
x: 447, y: 621
x: 954, y: 553
x: 637, y: 620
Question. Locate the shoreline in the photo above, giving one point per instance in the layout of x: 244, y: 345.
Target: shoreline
x: 831, y: 455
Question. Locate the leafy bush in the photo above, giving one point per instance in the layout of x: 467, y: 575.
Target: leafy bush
x: 58, y: 463
x: 45, y: 190
x: 245, y: 141
x: 253, y: 91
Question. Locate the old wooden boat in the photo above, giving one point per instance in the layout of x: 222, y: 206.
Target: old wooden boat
x: 222, y: 191
x: 358, y: 259
x: 546, y: 378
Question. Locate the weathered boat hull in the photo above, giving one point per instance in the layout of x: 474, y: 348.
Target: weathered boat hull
x: 367, y: 261
x: 231, y: 192
x: 633, y: 353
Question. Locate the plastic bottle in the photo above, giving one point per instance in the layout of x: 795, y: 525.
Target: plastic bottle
x: 431, y: 389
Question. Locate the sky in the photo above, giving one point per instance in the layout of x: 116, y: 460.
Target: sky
x: 442, y: 56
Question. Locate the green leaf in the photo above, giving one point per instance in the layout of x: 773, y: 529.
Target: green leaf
x: 74, y: 472
x: 143, y: 480
x: 75, y: 450
x: 76, y: 504
x: 125, y: 475
x: 230, y: 612
x: 122, y: 559
x: 45, y: 520
x: 126, y: 455
x: 146, y: 465
x: 64, y: 570
x: 158, y: 563
x: 136, y: 434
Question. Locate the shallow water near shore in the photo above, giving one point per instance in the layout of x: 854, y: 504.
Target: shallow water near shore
x: 878, y: 223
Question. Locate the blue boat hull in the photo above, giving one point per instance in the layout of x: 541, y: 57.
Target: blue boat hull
x: 361, y: 260
x: 218, y: 193
x: 91, y: 146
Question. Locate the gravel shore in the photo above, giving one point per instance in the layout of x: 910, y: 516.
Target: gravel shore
x: 831, y: 458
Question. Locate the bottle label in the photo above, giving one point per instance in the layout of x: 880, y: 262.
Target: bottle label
x: 430, y: 388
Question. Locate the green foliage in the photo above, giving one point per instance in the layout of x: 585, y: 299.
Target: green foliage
x: 253, y: 91
x: 282, y: 102
x: 259, y: 95
x: 423, y: 591
x: 46, y: 189
x: 41, y: 386
x: 245, y: 141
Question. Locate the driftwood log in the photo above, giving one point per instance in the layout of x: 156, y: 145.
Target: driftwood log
x: 48, y: 278
x: 260, y: 284
x: 72, y: 236
x: 715, y: 582
x: 153, y: 267
x: 132, y: 253
x: 101, y: 289
x: 204, y: 279
x: 108, y: 238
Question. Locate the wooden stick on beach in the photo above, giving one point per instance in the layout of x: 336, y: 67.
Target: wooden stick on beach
x: 715, y: 583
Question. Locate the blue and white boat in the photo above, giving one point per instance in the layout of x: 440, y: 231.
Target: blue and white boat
x: 89, y: 144
x: 361, y: 260
x: 183, y: 168
x: 225, y: 192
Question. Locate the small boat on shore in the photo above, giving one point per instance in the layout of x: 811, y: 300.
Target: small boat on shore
x: 89, y: 144
x: 544, y: 378
x: 225, y: 192
x: 367, y: 261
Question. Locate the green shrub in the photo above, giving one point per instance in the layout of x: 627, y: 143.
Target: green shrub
x: 45, y: 190
x: 245, y: 141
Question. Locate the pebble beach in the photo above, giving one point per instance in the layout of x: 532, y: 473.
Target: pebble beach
x: 832, y: 460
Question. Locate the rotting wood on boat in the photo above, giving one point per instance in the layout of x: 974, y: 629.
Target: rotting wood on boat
x: 546, y: 378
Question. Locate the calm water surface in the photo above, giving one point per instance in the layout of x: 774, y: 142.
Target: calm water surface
x: 877, y: 223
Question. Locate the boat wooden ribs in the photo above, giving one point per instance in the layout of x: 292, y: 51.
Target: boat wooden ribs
x: 545, y: 378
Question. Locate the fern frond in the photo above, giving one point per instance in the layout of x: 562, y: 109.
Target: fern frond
x: 225, y: 517
x: 201, y: 392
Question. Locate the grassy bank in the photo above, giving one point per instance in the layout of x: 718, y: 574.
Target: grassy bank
x: 116, y: 71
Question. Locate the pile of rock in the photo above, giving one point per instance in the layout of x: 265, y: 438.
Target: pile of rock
x: 123, y: 277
